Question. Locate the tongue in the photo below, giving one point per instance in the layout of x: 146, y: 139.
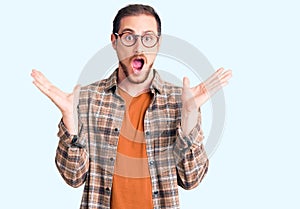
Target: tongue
x: 137, y: 64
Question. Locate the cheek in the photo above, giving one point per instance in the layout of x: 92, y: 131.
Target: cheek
x: 151, y: 55
x: 124, y: 54
x: 151, y: 58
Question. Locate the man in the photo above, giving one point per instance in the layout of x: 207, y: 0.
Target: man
x: 137, y: 137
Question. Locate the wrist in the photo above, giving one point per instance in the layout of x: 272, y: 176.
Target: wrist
x: 69, y: 124
x: 189, y: 118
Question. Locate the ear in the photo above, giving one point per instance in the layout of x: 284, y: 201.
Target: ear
x: 113, y: 41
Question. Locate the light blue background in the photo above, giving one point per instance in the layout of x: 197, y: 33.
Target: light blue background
x: 257, y: 162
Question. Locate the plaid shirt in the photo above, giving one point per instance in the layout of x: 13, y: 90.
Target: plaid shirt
x: 173, y: 158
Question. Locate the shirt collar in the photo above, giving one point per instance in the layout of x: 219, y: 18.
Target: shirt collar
x: 112, y: 81
x: 157, y: 83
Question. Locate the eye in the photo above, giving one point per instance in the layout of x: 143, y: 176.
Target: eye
x: 148, y: 37
x: 128, y: 37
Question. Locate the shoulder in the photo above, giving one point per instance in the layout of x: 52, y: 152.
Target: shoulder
x: 170, y: 88
x: 164, y: 87
x: 91, y: 90
x: 99, y: 87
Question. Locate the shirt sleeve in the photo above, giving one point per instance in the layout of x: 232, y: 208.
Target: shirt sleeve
x: 191, y: 158
x: 71, y: 157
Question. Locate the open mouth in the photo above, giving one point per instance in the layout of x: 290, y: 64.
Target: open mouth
x: 137, y: 64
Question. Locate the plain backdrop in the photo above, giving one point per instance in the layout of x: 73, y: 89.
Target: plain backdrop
x: 257, y: 162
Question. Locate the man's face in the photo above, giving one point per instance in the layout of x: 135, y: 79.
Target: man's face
x: 136, y: 61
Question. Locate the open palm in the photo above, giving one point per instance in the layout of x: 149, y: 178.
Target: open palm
x: 193, y: 98
x: 64, y: 101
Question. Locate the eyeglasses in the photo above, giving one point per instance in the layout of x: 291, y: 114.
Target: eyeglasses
x: 128, y: 39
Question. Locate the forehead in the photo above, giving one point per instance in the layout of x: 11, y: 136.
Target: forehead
x: 139, y: 23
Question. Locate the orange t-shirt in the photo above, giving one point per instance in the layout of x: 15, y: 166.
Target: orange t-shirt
x: 131, y: 188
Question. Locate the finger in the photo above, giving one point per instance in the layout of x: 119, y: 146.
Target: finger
x: 50, y: 91
x: 214, y: 77
x: 46, y: 87
x: 41, y: 87
x: 186, y: 83
x: 216, y: 74
x: 221, y: 78
x: 213, y: 86
x: 227, y: 75
x: 224, y: 77
x: 41, y: 81
x: 38, y: 76
x: 33, y: 72
x: 214, y: 90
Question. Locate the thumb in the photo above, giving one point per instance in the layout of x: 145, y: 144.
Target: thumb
x: 186, y: 93
x: 186, y: 83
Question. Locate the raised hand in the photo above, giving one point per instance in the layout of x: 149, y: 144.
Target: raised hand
x: 194, y: 98
x: 64, y: 101
x: 198, y: 95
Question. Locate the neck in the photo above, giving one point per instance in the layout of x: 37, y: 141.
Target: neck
x: 134, y: 89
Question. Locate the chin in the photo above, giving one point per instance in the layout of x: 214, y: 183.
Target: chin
x: 138, y: 78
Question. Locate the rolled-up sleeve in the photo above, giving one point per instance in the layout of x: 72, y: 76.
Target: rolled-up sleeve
x: 71, y: 157
x: 191, y: 158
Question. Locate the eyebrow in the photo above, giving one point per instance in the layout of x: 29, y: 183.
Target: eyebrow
x: 132, y: 31
x: 127, y: 30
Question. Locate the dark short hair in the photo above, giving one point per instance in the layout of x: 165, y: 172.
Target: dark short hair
x: 134, y: 10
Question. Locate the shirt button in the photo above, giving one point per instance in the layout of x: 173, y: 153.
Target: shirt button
x: 147, y: 133
x: 155, y: 193
x: 111, y: 159
x: 151, y: 162
x: 107, y: 189
x: 116, y: 129
x: 74, y: 139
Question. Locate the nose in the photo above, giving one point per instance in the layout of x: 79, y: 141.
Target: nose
x: 138, y: 46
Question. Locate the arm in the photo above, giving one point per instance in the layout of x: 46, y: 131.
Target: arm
x: 191, y: 158
x: 71, y: 157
